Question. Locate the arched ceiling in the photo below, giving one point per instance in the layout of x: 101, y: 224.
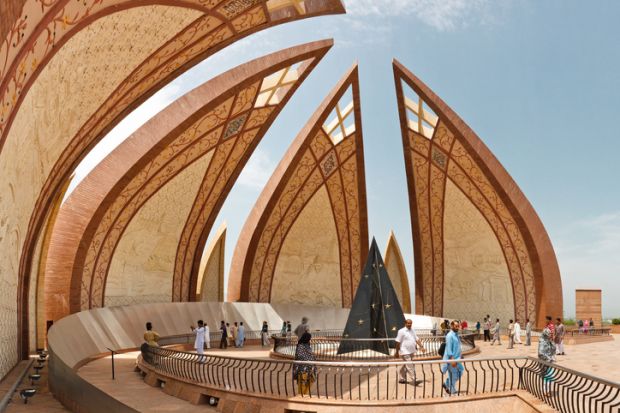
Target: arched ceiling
x: 224, y: 118
x: 69, y: 71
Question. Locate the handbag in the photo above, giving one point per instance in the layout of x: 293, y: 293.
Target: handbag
x: 442, y: 349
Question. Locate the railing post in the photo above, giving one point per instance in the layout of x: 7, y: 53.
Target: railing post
x: 112, y: 351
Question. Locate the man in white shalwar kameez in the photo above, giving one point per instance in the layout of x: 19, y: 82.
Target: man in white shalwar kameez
x: 199, y: 343
x: 207, y: 336
x: 518, y: 332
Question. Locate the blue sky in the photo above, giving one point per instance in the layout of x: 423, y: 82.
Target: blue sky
x: 539, y: 82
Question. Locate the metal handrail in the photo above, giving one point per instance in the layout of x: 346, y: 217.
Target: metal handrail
x: 564, y: 389
x: 366, y: 349
x: 604, y: 331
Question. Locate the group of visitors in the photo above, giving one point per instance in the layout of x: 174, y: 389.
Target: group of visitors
x: 585, y: 326
x: 232, y: 335
x: 408, y: 344
x: 514, y: 332
x: 551, y: 344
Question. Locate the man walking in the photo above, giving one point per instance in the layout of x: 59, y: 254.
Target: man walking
x: 511, y: 335
x: 528, y: 333
x: 487, y: 329
x: 233, y: 332
x: 453, y: 352
x: 407, y: 343
x: 496, y: 336
x: 199, y: 343
x: 224, y: 338
x: 517, y: 334
x: 240, y: 335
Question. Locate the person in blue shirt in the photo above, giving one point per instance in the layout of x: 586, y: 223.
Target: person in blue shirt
x: 452, y: 352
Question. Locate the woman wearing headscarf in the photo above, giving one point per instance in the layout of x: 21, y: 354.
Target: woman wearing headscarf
x: 304, y: 374
x: 150, y: 340
x: 151, y: 337
x: 546, y: 352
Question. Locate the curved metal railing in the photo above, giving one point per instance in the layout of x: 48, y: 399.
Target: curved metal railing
x: 605, y: 331
x: 326, y: 348
x: 250, y: 336
x: 564, y: 389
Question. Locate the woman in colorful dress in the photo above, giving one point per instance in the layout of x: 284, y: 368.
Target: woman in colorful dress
x: 546, y: 352
x: 151, y: 337
x: 304, y: 374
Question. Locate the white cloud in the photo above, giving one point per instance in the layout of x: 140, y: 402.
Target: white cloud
x: 257, y: 171
x: 443, y: 15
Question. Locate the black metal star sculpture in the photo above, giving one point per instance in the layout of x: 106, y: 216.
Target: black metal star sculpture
x: 376, y: 312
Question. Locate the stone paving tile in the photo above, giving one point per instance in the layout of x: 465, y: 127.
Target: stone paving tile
x: 592, y: 358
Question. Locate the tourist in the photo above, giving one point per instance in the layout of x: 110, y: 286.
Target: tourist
x: 546, y: 353
x: 224, y: 335
x: 511, y: 334
x: 303, y: 327
x: 207, y: 336
x: 233, y: 333
x: 517, y: 335
x: 586, y: 326
x: 288, y: 330
x: 199, y: 342
x: 229, y: 336
x: 551, y: 328
x: 304, y: 374
x: 434, y: 329
x: 264, y: 334
x: 591, y: 326
x: 580, y: 324
x: 528, y: 332
x: 283, y: 329
x: 443, y: 327
x: 560, y: 331
x: 464, y: 325
x: 478, y: 329
x: 487, y: 329
x: 452, y: 352
x: 407, y: 343
x: 240, y: 335
x: 151, y: 337
x: 496, y: 333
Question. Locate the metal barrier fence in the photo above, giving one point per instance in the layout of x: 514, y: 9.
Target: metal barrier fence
x: 564, y: 389
x: 250, y: 335
x: 326, y: 348
x: 589, y: 332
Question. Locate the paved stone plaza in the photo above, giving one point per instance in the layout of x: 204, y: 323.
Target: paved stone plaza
x: 131, y: 389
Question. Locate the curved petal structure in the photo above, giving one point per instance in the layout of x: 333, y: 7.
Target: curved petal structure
x: 217, y: 124
x: 306, y: 238
x: 210, y: 286
x: 395, y: 267
x: 479, y: 246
